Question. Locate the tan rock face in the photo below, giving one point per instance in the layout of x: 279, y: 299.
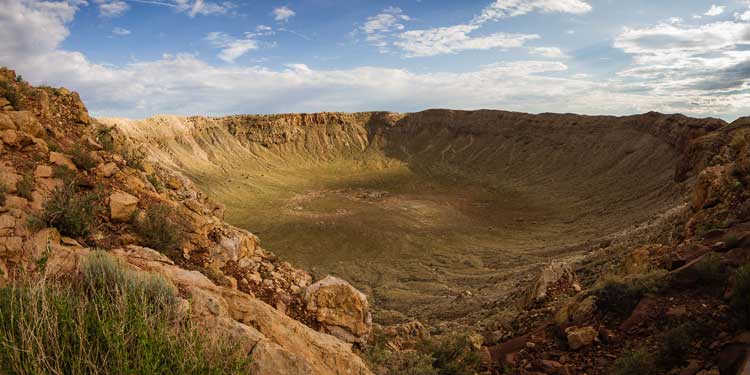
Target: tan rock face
x: 122, y: 206
x: 551, y: 274
x: 57, y: 158
x: 581, y: 337
x: 26, y: 121
x: 342, y: 310
x: 6, y: 122
x: 108, y: 170
x: 43, y: 171
x: 279, y: 344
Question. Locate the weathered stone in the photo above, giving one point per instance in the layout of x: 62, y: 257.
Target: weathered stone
x: 342, y: 310
x: 122, y: 206
x: 107, y: 170
x: 271, y: 359
x: 551, y: 274
x: 581, y: 337
x: 10, y: 137
x: 27, y: 122
x: 6, y: 123
x: 43, y: 171
x: 59, y: 159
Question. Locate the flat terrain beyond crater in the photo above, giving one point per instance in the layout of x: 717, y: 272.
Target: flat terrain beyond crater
x: 435, y: 215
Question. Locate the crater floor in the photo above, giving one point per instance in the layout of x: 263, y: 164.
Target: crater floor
x: 435, y: 215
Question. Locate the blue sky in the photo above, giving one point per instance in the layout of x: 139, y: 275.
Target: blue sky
x: 137, y: 58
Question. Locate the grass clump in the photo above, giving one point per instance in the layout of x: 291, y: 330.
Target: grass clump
x: 109, y: 320
x: 106, y: 139
x: 710, y: 270
x: 740, y: 301
x: 158, y: 229
x: 82, y: 158
x: 447, y: 355
x: 620, y: 296
x: 25, y: 186
x: 634, y: 362
x: 3, y: 193
x: 72, y: 212
x: 134, y: 158
x: 674, y: 346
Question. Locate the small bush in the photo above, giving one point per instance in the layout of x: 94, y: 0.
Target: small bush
x: 453, y: 355
x: 158, y: 229
x: 64, y: 173
x: 158, y: 185
x: 134, y: 158
x: 3, y: 192
x: 106, y: 139
x: 449, y: 355
x: 620, y: 296
x: 732, y: 241
x: 741, y: 295
x: 82, y: 158
x: 710, y: 270
x: 19, y: 78
x: 73, y: 213
x: 674, y: 348
x: 26, y: 186
x: 108, y: 321
x: 635, y: 362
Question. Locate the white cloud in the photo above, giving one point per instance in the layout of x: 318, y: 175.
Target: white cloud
x: 512, y: 8
x: 551, y: 52
x: 112, y: 8
x: 715, y: 10
x: 742, y: 16
x: 185, y: 84
x: 232, y: 48
x: 379, y: 29
x: 446, y: 40
x: 120, y: 31
x: 283, y: 14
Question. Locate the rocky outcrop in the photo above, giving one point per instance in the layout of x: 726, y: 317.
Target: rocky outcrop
x: 340, y: 309
x: 233, y: 286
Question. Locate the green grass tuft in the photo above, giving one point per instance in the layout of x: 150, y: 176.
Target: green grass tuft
x: 110, y: 320
x: 82, y: 158
x: 158, y: 228
x: 72, y: 212
x: 740, y: 301
x: 25, y: 186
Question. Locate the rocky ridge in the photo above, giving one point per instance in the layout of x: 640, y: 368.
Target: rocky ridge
x: 50, y: 146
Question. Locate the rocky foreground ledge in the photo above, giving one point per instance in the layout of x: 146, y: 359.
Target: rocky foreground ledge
x: 53, y: 155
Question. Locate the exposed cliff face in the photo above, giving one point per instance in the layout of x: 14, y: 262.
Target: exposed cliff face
x: 422, y: 209
x: 69, y: 185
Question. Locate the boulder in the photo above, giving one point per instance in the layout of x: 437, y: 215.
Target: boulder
x: 6, y: 123
x: 107, y: 170
x: 271, y: 359
x: 59, y: 159
x: 551, y: 274
x: 342, y: 310
x: 581, y: 337
x: 43, y: 171
x: 27, y: 122
x: 122, y: 206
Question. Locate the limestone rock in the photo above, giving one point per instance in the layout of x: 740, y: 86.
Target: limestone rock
x: 553, y: 273
x: 122, y: 206
x: 43, y: 171
x: 581, y: 337
x: 107, y: 170
x: 342, y: 310
x: 57, y: 158
x: 6, y: 123
x: 26, y: 121
x: 271, y: 359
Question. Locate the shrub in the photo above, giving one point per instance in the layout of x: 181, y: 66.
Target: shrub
x: 449, y: 355
x: 134, y: 158
x: 453, y: 355
x: 106, y: 139
x: 82, y: 158
x: 158, y: 229
x: 3, y: 192
x: 710, y: 270
x: 741, y: 295
x: 634, y: 362
x: 158, y: 185
x: 73, y: 213
x: 674, y: 347
x: 64, y: 173
x: 107, y: 321
x: 620, y: 296
x: 25, y: 186
x: 732, y: 241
